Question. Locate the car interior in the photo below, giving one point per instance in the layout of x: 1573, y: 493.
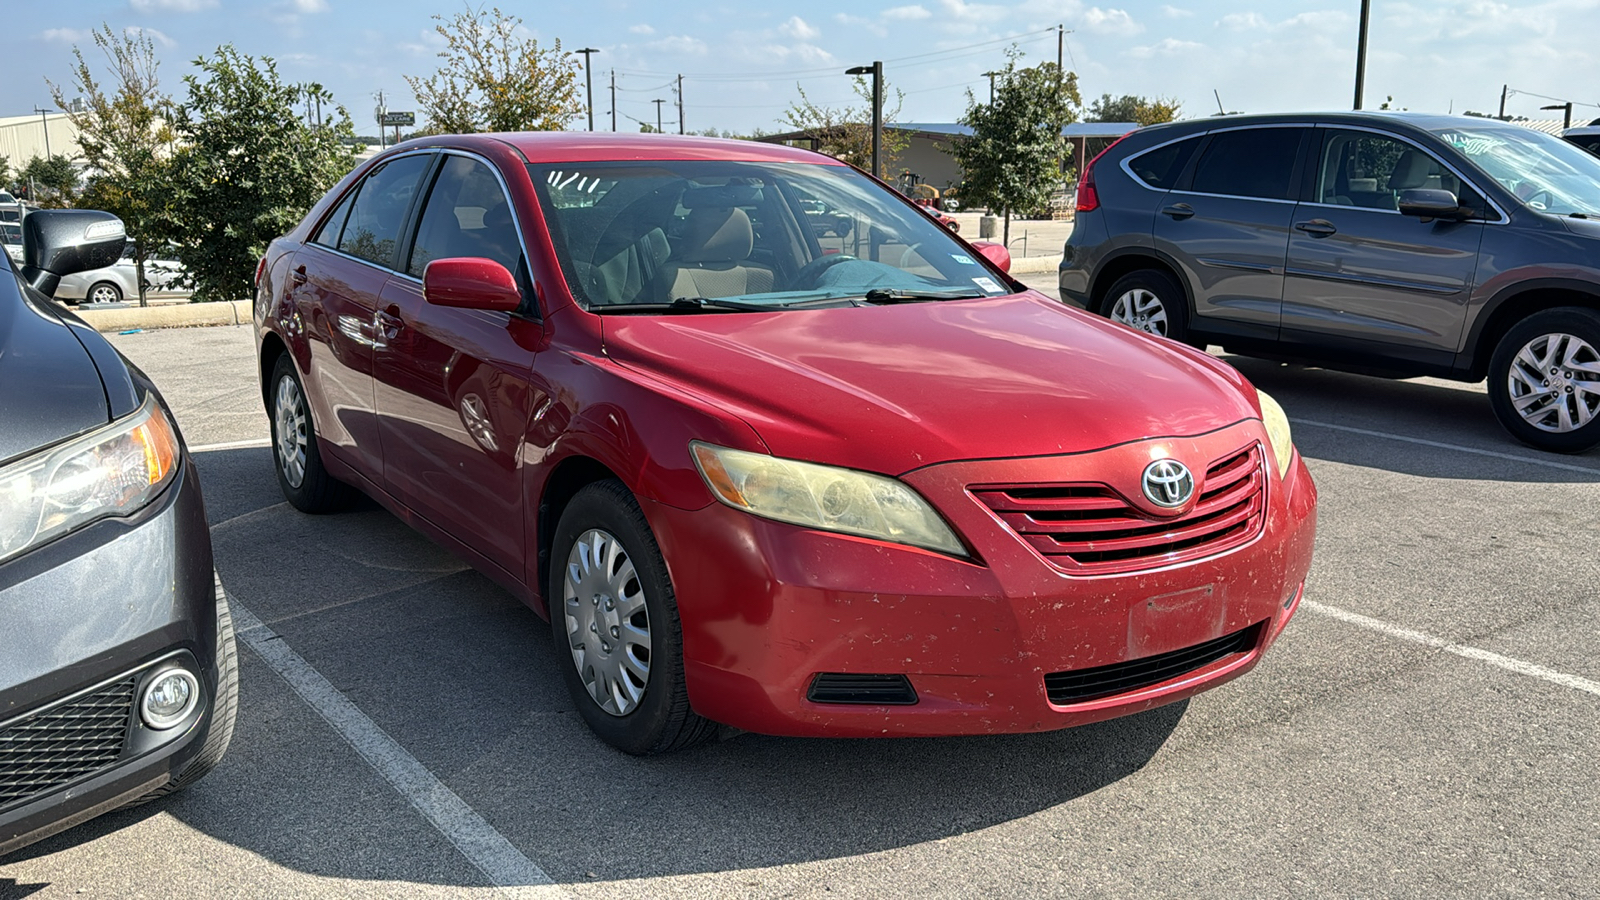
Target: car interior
x: 1371, y: 172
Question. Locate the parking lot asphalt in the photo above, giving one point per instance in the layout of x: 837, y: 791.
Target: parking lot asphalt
x: 1427, y: 725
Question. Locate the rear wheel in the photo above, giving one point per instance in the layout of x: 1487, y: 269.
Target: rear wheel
x: 615, y: 622
x: 1544, y: 380
x: 104, y: 292
x: 305, y: 482
x: 1148, y: 300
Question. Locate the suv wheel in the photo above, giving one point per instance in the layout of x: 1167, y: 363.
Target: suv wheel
x: 1148, y: 300
x: 1544, y: 380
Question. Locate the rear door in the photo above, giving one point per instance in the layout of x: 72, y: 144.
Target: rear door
x: 334, y: 283
x: 1227, y: 226
x: 1358, y: 270
x: 453, y: 391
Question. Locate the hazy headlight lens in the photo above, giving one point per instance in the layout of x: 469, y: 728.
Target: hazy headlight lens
x: 823, y: 497
x: 1272, y: 416
x: 110, y: 472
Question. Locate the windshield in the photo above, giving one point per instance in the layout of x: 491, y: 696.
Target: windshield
x: 1543, y: 171
x: 743, y: 235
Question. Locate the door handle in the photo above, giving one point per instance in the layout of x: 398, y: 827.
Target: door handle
x: 386, y: 327
x: 1179, y: 211
x: 298, y: 276
x: 1316, y: 227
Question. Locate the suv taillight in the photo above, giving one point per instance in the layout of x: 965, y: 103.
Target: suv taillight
x: 1088, y: 197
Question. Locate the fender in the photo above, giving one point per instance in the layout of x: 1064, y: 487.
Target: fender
x: 1468, y: 360
x: 1144, y: 250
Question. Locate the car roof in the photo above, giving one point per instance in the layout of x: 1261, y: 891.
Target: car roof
x: 600, y: 146
x: 1405, y: 120
x: 1580, y: 130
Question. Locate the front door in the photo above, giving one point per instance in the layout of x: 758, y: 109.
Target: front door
x: 453, y: 385
x: 1360, y: 270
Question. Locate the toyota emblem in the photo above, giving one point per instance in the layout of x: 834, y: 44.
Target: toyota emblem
x: 1168, y: 483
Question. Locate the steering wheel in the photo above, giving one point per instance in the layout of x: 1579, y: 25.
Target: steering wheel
x: 806, y: 278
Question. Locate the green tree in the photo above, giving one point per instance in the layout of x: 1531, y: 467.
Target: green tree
x: 1011, y: 161
x: 845, y: 132
x: 5, y: 172
x: 1133, y: 108
x: 494, y: 79
x: 54, y: 177
x: 247, y: 169
x: 126, y: 142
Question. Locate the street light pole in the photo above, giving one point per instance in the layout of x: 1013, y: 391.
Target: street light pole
x: 588, y: 77
x: 990, y: 76
x: 1361, y: 51
x: 876, y: 71
x: 658, y: 114
x: 1567, y: 106
x: 45, y: 124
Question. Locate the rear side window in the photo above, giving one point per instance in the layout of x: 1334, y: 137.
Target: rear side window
x: 1589, y: 142
x: 1161, y: 167
x: 1249, y: 162
x: 381, y: 203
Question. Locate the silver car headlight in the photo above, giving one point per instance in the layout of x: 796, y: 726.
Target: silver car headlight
x: 1277, y: 423
x: 112, y: 471
x: 823, y: 497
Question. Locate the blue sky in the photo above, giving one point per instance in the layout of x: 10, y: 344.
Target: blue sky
x: 742, y: 61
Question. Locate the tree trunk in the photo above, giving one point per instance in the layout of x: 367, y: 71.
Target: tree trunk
x: 138, y: 271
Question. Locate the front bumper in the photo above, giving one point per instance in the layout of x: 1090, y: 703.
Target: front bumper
x: 766, y: 607
x: 103, y: 606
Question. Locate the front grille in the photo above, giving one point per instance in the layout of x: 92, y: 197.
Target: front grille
x: 1090, y: 529
x: 879, y: 690
x: 1103, y: 681
x: 65, y: 742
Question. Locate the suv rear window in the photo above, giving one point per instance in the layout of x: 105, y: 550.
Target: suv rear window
x: 1249, y: 162
x: 1161, y: 167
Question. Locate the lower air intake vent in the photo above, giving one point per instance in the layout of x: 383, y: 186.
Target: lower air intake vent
x: 1103, y: 681
x: 874, y: 690
x: 44, y: 750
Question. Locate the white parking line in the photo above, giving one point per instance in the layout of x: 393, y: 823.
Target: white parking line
x: 1532, y: 670
x: 1514, y: 457
x: 486, y: 848
x: 231, y: 445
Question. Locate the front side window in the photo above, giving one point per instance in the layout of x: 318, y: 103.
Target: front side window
x: 1359, y: 168
x: 1545, y: 172
x: 1249, y: 162
x: 379, y: 210
x: 466, y: 214
x: 750, y: 233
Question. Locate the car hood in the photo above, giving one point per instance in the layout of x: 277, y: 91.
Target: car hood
x: 50, y: 388
x: 894, y: 388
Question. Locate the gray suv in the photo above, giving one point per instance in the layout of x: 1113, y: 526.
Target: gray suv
x: 1457, y: 247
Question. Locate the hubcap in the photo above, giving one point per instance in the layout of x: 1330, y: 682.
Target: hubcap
x: 1554, y: 383
x: 608, y: 627
x: 103, y: 294
x: 1141, y: 309
x: 289, y: 423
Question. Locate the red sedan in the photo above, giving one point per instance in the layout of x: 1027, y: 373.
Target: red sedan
x: 861, y: 485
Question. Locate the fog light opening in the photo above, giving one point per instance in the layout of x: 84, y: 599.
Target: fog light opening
x: 168, y: 698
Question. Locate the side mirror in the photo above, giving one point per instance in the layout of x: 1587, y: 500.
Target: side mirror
x: 1430, y: 204
x: 470, y: 282
x: 59, y: 242
x: 995, y: 253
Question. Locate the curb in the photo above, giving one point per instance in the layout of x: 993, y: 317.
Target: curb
x: 184, y: 315
x: 1034, y: 265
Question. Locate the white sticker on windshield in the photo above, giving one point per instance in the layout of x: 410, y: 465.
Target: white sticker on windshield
x: 963, y: 259
x: 988, y: 285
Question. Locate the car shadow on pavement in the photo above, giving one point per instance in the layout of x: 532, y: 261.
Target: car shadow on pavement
x: 1421, y: 410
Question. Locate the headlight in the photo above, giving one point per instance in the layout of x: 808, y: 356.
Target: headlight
x: 823, y: 497
x: 113, y: 471
x: 1277, y: 431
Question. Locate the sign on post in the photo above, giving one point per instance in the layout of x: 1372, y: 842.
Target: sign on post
x: 398, y: 118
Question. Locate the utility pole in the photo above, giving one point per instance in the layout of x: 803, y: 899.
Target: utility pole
x: 1061, y: 40
x: 613, y: 100
x: 658, y: 114
x: 1564, y: 106
x: 382, y: 108
x: 45, y: 124
x: 1504, y: 89
x: 1361, y: 51
x: 588, y: 77
x: 876, y: 71
x: 680, y: 104
x: 990, y: 76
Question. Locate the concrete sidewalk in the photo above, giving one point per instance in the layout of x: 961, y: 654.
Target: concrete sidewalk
x: 176, y: 315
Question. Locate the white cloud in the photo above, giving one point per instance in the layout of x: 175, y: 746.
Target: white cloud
x: 309, y: 6
x: 1244, y: 21
x: 66, y: 35
x: 911, y: 13
x: 680, y: 43
x: 972, y: 12
x: 800, y: 30
x: 171, y: 5
x: 641, y: 29
x: 1165, y: 47
x: 1110, y: 21
x: 1173, y: 12
x: 151, y: 33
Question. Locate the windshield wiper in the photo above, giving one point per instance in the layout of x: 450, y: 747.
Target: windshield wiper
x: 901, y: 295
x: 681, y: 305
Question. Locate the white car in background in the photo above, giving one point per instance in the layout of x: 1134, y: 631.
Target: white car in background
x: 12, y: 235
x: 120, y: 280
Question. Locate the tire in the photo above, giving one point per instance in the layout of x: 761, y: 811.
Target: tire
x: 224, y: 710
x: 1148, y: 300
x: 642, y: 714
x: 103, y: 292
x: 1555, y: 410
x: 304, y: 480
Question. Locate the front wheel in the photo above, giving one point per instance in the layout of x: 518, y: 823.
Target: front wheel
x: 304, y: 480
x: 104, y: 292
x: 615, y: 621
x: 1148, y: 300
x: 1544, y: 380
